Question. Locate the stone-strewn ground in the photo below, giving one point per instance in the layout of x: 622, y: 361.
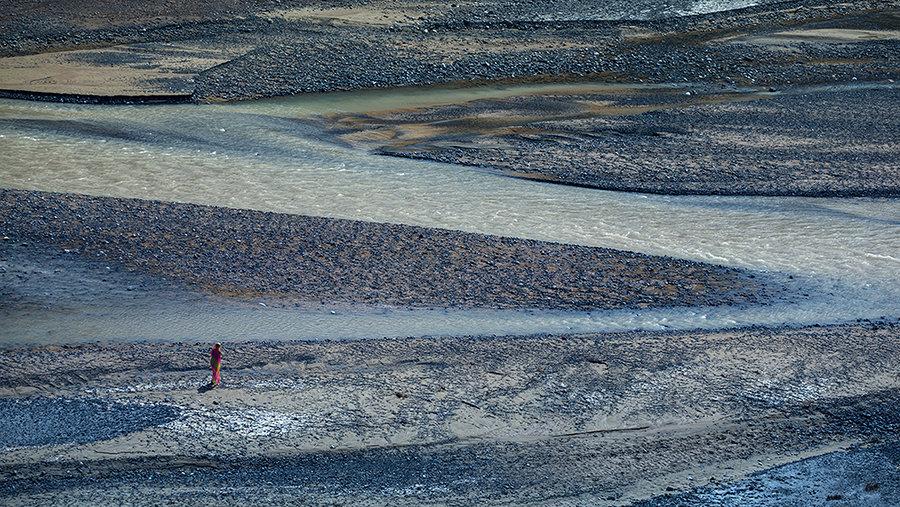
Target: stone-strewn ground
x: 817, y: 143
x: 554, y: 420
x: 250, y: 253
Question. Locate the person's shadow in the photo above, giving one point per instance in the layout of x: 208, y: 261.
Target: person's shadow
x: 206, y: 388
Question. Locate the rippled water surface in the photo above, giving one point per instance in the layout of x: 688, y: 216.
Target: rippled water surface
x: 265, y: 156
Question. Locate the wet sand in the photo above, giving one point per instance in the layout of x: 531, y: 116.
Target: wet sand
x: 600, y: 419
x: 160, y: 71
x: 862, y: 475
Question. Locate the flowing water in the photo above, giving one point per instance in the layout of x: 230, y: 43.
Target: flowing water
x: 845, y: 253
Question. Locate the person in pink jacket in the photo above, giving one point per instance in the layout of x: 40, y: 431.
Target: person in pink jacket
x: 215, y: 362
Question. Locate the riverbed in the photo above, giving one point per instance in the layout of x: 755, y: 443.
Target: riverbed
x: 839, y: 255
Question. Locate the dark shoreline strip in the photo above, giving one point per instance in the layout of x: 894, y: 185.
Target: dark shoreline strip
x: 638, y: 189
x: 79, y: 98
x: 876, y: 193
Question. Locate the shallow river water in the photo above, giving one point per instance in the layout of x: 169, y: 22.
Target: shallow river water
x: 845, y: 253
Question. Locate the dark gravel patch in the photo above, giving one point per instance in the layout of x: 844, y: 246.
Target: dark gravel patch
x: 113, y: 59
x: 840, y: 143
x: 251, y: 253
x: 330, y: 61
x: 51, y: 421
x: 411, y: 472
x: 679, y: 50
x: 859, y: 477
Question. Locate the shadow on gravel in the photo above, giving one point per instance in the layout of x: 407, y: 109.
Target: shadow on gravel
x: 861, y: 476
x: 420, y: 472
x: 48, y: 421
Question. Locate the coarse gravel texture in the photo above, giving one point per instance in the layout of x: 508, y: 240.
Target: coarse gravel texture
x: 864, y: 476
x: 797, y: 143
x: 604, y: 419
x: 78, y: 420
x: 689, y: 50
x: 298, y: 47
x: 248, y: 253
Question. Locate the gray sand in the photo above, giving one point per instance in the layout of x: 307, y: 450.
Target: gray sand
x: 596, y: 419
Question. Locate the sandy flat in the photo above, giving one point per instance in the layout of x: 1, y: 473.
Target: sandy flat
x: 120, y: 70
x: 512, y: 419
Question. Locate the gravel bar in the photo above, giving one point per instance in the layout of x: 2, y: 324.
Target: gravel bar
x: 320, y: 260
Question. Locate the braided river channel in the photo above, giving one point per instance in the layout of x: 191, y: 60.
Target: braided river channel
x: 840, y: 257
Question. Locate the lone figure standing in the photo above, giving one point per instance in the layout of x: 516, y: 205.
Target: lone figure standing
x: 215, y: 362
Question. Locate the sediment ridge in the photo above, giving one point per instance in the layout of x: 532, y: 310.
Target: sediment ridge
x: 246, y: 253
